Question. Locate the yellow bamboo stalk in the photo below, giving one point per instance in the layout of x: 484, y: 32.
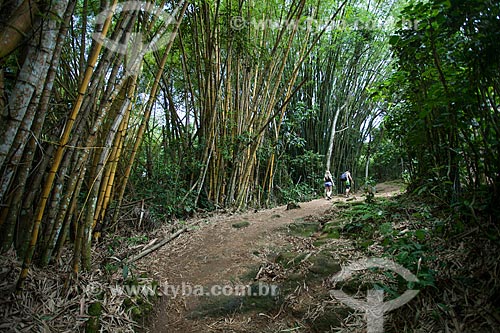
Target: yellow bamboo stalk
x: 103, y: 187
x: 147, y: 114
x: 113, y: 133
x: 114, y: 165
x: 108, y: 179
x: 60, y: 152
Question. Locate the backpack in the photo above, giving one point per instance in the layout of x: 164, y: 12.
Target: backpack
x: 343, y: 177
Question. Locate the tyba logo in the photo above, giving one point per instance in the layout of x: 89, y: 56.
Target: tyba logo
x: 374, y: 307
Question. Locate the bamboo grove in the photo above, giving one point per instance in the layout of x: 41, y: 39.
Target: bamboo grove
x: 202, y: 104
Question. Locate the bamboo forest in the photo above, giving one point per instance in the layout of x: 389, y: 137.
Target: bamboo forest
x: 244, y: 166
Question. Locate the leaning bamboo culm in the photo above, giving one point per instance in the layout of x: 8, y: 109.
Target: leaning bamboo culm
x: 59, y: 154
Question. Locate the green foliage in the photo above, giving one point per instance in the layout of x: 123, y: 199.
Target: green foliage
x: 165, y: 183
x: 306, y: 167
x: 95, y: 309
x: 136, y: 240
x: 296, y: 193
x: 386, y: 156
x: 408, y: 247
x: 361, y: 218
x: 448, y: 88
x: 301, y: 164
x: 139, y: 302
x: 93, y: 324
x: 114, y: 244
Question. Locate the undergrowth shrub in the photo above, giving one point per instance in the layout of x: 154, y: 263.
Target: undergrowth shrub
x: 403, y: 233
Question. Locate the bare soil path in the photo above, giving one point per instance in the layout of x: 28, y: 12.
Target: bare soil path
x: 218, y: 253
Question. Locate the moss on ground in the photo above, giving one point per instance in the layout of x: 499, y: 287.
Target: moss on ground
x: 303, y: 229
x: 290, y: 259
x: 329, y: 319
x: 93, y: 324
x: 140, y: 305
x: 260, y: 299
x: 323, y: 265
x: 241, y: 224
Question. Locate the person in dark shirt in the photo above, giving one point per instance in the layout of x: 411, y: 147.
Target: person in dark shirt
x: 328, y: 179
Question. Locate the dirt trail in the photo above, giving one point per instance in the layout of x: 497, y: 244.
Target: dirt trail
x: 217, y: 253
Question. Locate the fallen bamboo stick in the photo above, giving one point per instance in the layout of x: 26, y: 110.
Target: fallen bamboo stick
x: 161, y: 243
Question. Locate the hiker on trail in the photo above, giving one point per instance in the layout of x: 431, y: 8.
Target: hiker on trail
x: 328, y: 184
x: 348, y: 181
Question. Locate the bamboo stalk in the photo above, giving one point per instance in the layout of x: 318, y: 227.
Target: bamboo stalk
x: 147, y: 114
x: 112, y: 171
x: 59, y: 153
x: 24, y: 101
